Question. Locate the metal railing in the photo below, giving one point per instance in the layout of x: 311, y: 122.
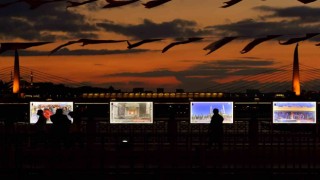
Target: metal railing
x: 109, y: 148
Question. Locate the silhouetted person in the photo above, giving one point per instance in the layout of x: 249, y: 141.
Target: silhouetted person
x: 75, y: 128
x: 40, y: 127
x: 172, y: 127
x: 215, y: 129
x: 60, y: 127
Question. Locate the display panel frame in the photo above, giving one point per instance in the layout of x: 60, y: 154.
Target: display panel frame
x: 45, y: 105
x: 204, y: 107
x: 307, y: 114
x: 131, y: 112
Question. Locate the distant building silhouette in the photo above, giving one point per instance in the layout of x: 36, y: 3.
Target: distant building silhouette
x: 138, y: 90
x: 160, y: 90
x: 179, y: 90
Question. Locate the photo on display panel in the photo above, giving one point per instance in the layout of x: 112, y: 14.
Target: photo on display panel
x: 294, y: 112
x: 131, y: 112
x: 49, y: 108
x: 201, y: 112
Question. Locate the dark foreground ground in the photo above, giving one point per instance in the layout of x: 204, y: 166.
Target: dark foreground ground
x: 272, y: 152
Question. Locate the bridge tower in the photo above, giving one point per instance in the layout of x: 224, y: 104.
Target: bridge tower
x: 16, y: 74
x: 295, y: 73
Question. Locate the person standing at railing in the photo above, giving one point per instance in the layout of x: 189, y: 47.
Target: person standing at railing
x: 215, y: 130
x: 61, y: 127
x: 41, y: 128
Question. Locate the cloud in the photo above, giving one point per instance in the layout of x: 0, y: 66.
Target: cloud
x: 245, y: 62
x: 218, y: 69
x: 303, y: 13
x: 98, y: 5
x: 288, y: 21
x: 45, y: 23
x: 208, y: 74
x: 78, y: 52
x: 150, y: 29
x: 249, y: 28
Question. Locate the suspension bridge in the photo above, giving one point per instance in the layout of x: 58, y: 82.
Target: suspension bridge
x: 278, y: 79
x: 293, y: 77
x: 35, y: 76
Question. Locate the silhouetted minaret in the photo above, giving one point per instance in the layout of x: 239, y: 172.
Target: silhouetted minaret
x: 16, y: 73
x: 31, y: 78
x: 295, y: 75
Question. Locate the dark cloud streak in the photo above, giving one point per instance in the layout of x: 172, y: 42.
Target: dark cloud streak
x: 206, y: 74
x: 218, y: 68
x: 307, y: 14
x: 79, y: 52
x: 43, y: 23
x: 291, y: 21
x: 149, y: 29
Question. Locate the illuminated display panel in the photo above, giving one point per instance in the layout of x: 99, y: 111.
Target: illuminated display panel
x: 131, y: 112
x: 294, y: 112
x: 49, y: 108
x: 201, y: 112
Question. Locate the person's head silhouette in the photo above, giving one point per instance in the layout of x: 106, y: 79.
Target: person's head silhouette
x: 215, y: 111
x: 59, y: 111
x: 39, y: 112
x: 71, y: 114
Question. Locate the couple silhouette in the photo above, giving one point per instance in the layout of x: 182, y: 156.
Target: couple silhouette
x: 60, y: 126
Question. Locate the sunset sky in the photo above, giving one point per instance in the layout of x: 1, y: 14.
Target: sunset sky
x: 185, y: 66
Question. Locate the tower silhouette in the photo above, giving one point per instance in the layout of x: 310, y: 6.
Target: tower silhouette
x: 16, y: 46
x: 31, y: 78
x: 295, y: 75
x: 16, y: 73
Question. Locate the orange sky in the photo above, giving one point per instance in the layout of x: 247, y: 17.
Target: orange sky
x: 111, y: 69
